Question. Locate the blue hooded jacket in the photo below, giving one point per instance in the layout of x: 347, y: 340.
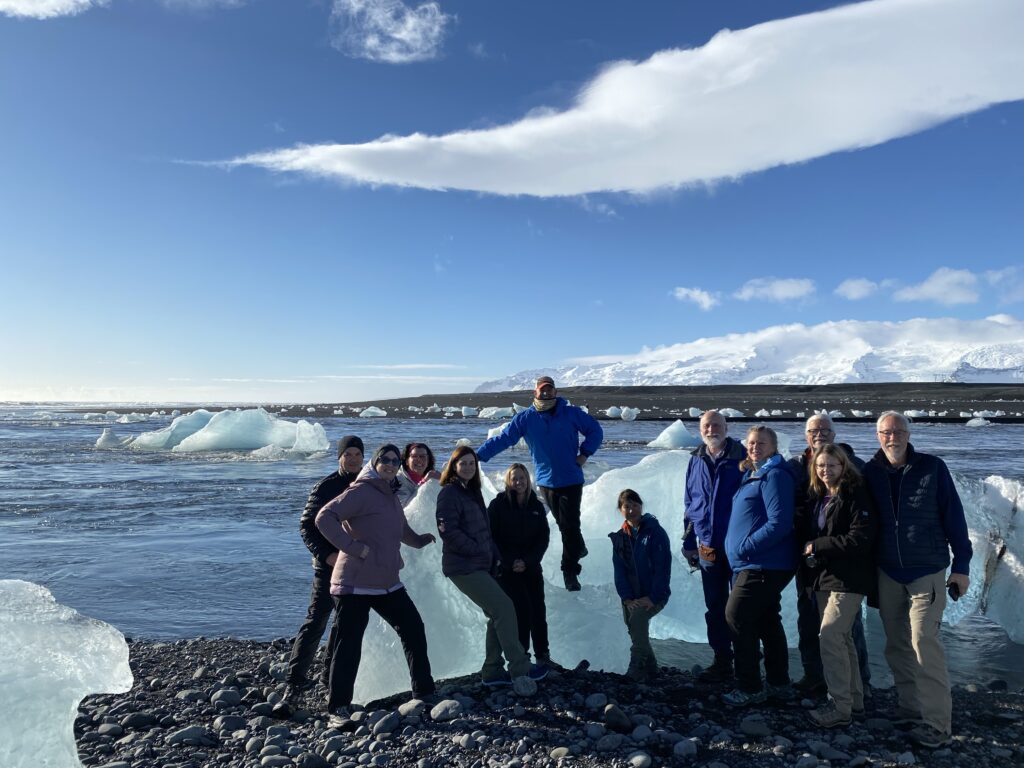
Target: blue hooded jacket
x: 553, y: 439
x: 710, y: 485
x: 760, y: 532
x: 642, y: 561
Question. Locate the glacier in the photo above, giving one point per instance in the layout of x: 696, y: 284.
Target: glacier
x: 53, y: 657
x: 838, y: 352
x: 587, y: 624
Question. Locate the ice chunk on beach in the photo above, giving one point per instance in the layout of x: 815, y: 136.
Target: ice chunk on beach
x: 131, y: 418
x: 435, y: 408
x: 414, y: 409
x: 251, y: 429
x: 695, y: 413
x: 108, y: 439
x: 630, y: 414
x: 731, y: 413
x: 978, y: 423
x: 777, y: 412
x: 860, y: 414
x: 469, y: 411
x: 614, y: 412
x: 915, y: 414
x: 494, y: 412
x: 53, y: 657
x: 989, y: 414
x: 373, y: 412
x: 175, y: 413
x: 762, y: 414
x: 311, y: 409
x: 676, y: 435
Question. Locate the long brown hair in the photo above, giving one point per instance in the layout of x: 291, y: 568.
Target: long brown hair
x: 849, y: 477
x: 747, y: 463
x: 449, y: 475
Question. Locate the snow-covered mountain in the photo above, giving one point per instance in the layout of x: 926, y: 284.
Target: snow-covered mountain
x: 840, y: 352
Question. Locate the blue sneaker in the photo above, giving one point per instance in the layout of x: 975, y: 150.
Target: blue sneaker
x: 538, y: 672
x: 497, y: 682
x: 739, y: 698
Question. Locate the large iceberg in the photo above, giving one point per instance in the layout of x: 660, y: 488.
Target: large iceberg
x: 676, y: 435
x: 53, y: 657
x: 245, y: 430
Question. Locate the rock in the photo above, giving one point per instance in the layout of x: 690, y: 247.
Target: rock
x: 253, y: 745
x: 191, y: 733
x: 229, y: 723
x: 685, y: 748
x: 639, y: 760
x: 596, y: 701
x: 276, y: 761
x: 411, y: 707
x: 228, y: 697
x: 825, y: 751
x: 807, y: 761
x: 558, y: 753
x: 906, y: 758
x: 879, y: 725
x: 609, y: 742
x: 524, y: 686
x: 110, y: 729
x: 595, y: 731
x: 387, y: 724
x: 754, y: 726
x: 138, y: 720
x: 445, y: 710
x: 117, y: 764
x: 998, y: 685
x: 190, y: 695
x: 1004, y: 754
x: 616, y: 719
x: 641, y: 733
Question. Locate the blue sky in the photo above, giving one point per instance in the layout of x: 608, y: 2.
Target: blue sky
x: 196, y: 203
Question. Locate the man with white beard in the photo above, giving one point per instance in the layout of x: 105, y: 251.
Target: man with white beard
x: 712, y: 477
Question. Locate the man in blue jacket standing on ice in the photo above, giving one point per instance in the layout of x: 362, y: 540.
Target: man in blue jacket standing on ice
x: 921, y: 519
x: 551, y: 428
x: 712, y: 477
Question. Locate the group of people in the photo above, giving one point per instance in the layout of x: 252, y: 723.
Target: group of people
x: 845, y: 529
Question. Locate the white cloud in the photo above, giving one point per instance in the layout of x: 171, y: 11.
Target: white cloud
x: 388, y: 30
x: 46, y: 9
x: 944, y: 286
x: 412, y: 366
x: 1008, y: 282
x: 778, y: 93
x: 856, y: 288
x: 775, y: 289
x: 698, y: 296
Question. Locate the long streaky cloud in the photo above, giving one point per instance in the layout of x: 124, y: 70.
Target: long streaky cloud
x: 782, y: 92
x: 46, y: 9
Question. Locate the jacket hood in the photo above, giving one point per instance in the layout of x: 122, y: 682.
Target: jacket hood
x: 368, y: 476
x: 773, y: 463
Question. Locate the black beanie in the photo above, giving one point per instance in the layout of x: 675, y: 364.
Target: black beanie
x: 350, y: 441
x: 386, y: 448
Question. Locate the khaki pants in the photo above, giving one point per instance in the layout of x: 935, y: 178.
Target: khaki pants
x: 911, y: 614
x: 502, y: 627
x: 838, y: 655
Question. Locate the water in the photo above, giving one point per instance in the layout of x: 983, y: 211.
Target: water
x: 166, y: 545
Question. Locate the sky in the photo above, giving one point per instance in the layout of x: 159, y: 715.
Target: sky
x: 327, y: 201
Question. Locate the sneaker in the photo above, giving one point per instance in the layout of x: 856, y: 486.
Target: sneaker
x: 544, y: 660
x: 828, y: 716
x: 781, y: 693
x: 538, y: 672
x: 930, y: 737
x: 738, y: 698
x: 572, y: 582
x: 497, y: 682
x: 339, y: 717
x: 811, y: 686
x: 720, y: 671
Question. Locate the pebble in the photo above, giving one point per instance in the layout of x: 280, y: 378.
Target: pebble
x: 558, y: 753
x: 807, y: 761
x: 387, y: 724
x: 906, y: 758
x: 616, y: 719
x: 640, y: 760
x: 446, y: 710
x: 754, y: 726
x: 609, y: 742
x: 685, y: 748
x: 596, y: 701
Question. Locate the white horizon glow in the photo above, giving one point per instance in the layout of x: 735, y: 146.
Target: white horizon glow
x: 782, y: 92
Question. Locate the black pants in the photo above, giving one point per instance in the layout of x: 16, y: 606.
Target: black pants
x: 352, y: 614
x: 808, y: 624
x: 754, y: 615
x: 527, y: 592
x: 564, y: 504
x: 321, y: 606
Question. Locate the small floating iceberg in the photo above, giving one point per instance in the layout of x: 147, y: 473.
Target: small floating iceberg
x: 494, y: 412
x: 978, y: 422
x: 630, y: 414
x: 108, y: 439
x: 614, y: 412
x: 676, y: 435
x: 373, y: 412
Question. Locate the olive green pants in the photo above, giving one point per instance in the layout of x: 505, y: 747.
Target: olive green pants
x: 502, y: 628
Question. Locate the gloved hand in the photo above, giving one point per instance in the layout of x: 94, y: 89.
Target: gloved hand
x: 692, y: 557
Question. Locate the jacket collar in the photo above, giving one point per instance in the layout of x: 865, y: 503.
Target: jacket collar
x: 882, y: 459
x: 733, y: 450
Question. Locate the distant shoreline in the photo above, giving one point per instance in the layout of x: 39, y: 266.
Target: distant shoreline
x: 669, y: 403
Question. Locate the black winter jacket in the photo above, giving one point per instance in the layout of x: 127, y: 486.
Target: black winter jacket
x: 844, y: 548
x: 520, y: 533
x: 326, y: 490
x: 466, y: 543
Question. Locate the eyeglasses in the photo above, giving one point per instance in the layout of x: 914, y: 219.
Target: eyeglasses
x: 392, y: 462
x: 892, y: 432
x: 821, y: 431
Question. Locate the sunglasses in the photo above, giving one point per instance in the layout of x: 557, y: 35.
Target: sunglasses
x: 392, y: 462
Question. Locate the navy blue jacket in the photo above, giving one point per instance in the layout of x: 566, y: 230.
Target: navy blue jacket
x: 553, y: 439
x: 710, y: 485
x: 926, y: 522
x: 760, y: 532
x: 642, y: 561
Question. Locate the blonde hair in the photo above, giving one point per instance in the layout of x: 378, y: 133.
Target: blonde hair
x: 847, y: 479
x: 508, y: 476
x: 747, y: 463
